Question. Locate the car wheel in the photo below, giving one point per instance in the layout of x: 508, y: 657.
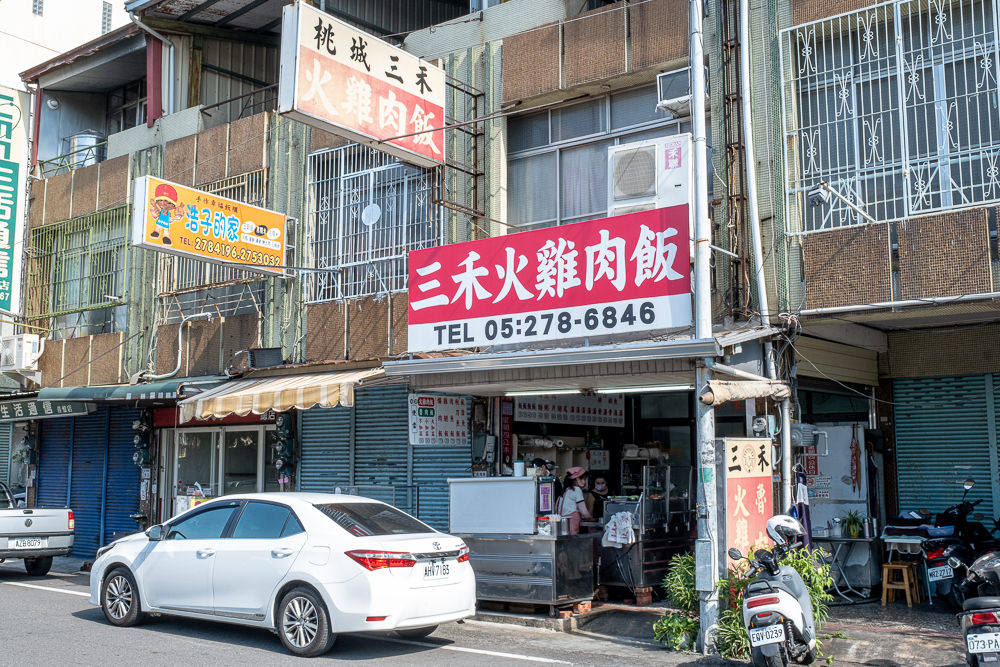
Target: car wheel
x: 38, y: 567
x: 120, y: 599
x: 416, y: 633
x: 303, y: 623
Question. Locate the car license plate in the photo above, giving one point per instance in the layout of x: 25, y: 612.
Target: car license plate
x: 437, y: 569
x: 939, y: 573
x: 28, y: 543
x: 771, y: 634
x: 986, y: 642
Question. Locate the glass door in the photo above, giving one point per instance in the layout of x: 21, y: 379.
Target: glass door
x: 241, y: 460
x: 197, y: 467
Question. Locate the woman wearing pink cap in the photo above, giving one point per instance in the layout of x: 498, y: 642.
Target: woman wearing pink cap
x: 572, y: 504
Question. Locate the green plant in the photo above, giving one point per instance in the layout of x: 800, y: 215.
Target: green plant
x: 852, y: 523
x: 677, y: 629
x: 678, y: 585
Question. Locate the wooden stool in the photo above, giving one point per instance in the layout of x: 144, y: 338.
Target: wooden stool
x: 915, y: 579
x: 905, y: 583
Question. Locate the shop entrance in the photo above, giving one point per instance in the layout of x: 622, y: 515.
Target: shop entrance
x: 207, y: 462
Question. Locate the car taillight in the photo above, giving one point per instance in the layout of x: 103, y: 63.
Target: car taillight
x: 71, y: 521
x: 935, y: 554
x: 377, y: 560
x: 463, y: 554
x: 984, y: 618
x: 762, y: 600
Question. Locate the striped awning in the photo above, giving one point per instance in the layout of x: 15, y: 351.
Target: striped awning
x: 258, y: 395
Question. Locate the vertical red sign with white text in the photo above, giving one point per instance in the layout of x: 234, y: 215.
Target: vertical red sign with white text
x: 618, y: 275
x: 749, y: 501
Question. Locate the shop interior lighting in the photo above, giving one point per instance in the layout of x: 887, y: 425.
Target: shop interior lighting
x: 543, y: 392
x: 652, y: 390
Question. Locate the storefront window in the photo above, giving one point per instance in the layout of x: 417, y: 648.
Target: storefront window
x: 241, y: 461
x: 197, y: 461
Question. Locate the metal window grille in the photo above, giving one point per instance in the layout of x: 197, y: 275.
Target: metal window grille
x: 187, y: 285
x: 896, y: 107
x: 76, y: 273
x: 105, y: 17
x: 367, y: 211
x: 36, y: 7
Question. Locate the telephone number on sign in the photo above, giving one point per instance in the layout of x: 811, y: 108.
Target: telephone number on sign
x: 594, y: 319
x: 221, y: 249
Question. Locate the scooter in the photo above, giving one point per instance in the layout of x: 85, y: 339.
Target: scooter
x: 980, y: 616
x: 777, y: 609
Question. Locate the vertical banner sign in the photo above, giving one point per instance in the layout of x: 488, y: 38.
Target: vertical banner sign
x: 620, y: 275
x: 438, y: 420
x: 13, y: 168
x: 337, y: 78
x: 749, y: 492
x: 169, y: 217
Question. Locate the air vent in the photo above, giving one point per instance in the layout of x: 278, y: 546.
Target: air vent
x: 262, y: 357
x: 634, y: 173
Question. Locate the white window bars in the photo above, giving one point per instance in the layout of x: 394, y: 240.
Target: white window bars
x: 896, y: 107
x: 367, y: 210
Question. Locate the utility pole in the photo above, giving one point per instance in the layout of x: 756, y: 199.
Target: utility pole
x: 707, y: 546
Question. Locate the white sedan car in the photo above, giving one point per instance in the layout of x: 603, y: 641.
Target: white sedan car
x: 307, y: 566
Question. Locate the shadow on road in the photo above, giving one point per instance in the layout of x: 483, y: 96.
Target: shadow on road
x: 348, y: 647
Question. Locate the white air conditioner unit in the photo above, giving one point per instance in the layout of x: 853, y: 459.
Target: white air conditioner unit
x: 649, y: 174
x: 674, y: 91
x: 19, y: 354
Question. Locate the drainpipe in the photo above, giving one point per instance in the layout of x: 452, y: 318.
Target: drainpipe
x: 170, y: 61
x: 758, y: 250
x: 180, y: 346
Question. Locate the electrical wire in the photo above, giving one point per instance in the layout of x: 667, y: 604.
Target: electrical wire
x: 820, y: 371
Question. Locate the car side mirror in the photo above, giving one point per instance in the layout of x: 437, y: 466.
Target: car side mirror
x: 735, y: 554
x: 155, y: 533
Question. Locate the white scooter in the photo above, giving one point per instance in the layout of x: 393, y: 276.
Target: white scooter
x: 777, y: 610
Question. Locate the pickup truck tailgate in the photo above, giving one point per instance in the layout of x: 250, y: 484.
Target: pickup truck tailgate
x: 22, y: 523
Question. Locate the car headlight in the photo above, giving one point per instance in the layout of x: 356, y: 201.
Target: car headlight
x: 104, y: 550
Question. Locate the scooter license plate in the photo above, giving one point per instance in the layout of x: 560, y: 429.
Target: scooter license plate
x: 939, y: 573
x: 984, y: 642
x: 770, y: 634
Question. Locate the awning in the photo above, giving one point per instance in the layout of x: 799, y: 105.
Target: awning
x: 164, y: 390
x: 258, y: 395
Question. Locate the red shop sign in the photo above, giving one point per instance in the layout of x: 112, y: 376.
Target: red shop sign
x: 614, y: 275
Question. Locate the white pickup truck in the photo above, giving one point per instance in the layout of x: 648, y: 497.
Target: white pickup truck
x: 34, y: 534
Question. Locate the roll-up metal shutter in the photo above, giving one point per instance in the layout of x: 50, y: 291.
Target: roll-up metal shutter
x: 432, y: 466
x: 324, y: 449
x: 90, y: 441
x: 5, y: 448
x: 382, y: 444
x: 943, y: 437
x: 53, y: 462
x: 122, y: 488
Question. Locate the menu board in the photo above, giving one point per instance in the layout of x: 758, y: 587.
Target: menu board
x: 584, y: 409
x: 439, y: 420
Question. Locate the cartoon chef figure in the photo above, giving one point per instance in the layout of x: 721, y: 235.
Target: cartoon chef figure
x: 167, y: 209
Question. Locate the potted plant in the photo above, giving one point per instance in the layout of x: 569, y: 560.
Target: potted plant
x: 852, y: 524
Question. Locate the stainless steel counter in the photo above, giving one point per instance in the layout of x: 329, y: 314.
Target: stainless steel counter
x: 538, y: 569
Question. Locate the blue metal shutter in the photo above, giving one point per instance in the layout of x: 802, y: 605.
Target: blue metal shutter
x: 53, y: 462
x: 122, y: 488
x: 382, y: 442
x: 432, y: 466
x: 324, y: 449
x: 87, y: 480
x: 5, y: 446
x: 942, y: 438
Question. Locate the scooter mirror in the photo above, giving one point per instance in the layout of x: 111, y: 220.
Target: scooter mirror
x: 969, y: 483
x: 735, y: 554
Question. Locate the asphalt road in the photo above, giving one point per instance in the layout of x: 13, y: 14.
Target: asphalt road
x: 48, y: 621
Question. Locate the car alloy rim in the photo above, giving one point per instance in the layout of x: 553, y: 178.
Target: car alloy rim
x: 119, y: 597
x: 301, y: 622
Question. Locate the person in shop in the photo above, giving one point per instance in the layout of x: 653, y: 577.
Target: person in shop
x: 572, y: 505
x: 596, y: 497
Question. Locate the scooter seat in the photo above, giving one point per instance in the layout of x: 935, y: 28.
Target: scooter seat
x: 972, y: 604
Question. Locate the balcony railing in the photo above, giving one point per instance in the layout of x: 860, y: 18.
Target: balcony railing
x: 81, y: 157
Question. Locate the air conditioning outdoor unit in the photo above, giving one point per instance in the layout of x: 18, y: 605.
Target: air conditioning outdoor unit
x: 649, y: 174
x: 674, y: 91
x: 19, y: 354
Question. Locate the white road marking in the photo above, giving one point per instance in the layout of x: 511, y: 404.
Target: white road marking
x: 495, y: 654
x: 46, y: 588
